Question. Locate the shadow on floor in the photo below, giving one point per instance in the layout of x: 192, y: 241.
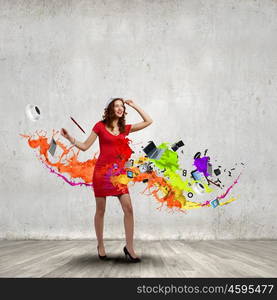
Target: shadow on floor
x: 118, y: 259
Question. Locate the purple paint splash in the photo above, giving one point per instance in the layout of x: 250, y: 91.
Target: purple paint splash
x: 202, y: 164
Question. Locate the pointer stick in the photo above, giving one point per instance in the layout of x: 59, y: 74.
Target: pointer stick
x: 77, y: 124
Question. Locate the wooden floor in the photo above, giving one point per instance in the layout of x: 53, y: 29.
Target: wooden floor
x: 165, y: 258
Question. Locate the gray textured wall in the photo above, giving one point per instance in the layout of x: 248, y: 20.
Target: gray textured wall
x: 205, y: 71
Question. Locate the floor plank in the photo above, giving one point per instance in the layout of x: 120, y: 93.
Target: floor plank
x: 164, y: 258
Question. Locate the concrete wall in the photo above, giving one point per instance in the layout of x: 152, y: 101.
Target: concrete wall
x: 205, y: 71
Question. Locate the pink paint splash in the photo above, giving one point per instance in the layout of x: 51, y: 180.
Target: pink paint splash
x: 229, y: 188
x: 207, y: 203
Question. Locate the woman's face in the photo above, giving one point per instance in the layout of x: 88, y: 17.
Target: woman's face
x: 118, y: 108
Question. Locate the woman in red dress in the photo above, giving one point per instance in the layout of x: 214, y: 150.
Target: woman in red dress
x: 114, y: 152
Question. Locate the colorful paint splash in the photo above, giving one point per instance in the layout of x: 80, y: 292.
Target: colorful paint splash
x: 72, y: 166
x: 169, y: 189
x: 202, y: 164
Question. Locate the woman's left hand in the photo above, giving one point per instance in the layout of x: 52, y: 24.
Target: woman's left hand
x: 130, y: 102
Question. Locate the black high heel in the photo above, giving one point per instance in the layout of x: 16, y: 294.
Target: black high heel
x: 132, y: 259
x: 103, y: 257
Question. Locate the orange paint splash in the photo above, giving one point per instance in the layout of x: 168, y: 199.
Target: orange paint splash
x: 71, y: 166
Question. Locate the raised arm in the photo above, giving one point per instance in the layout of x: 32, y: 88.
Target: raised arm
x: 146, y: 118
x: 84, y: 146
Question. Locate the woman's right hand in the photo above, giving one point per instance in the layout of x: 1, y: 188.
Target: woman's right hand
x: 64, y: 133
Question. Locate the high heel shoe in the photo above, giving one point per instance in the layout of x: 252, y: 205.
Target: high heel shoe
x: 128, y: 255
x: 103, y: 257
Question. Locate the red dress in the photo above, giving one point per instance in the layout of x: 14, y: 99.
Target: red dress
x: 114, y: 152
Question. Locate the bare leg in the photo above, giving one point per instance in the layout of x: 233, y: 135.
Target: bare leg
x: 99, y: 222
x: 126, y: 205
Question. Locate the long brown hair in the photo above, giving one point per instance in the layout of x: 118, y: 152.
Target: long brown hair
x: 109, y: 116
